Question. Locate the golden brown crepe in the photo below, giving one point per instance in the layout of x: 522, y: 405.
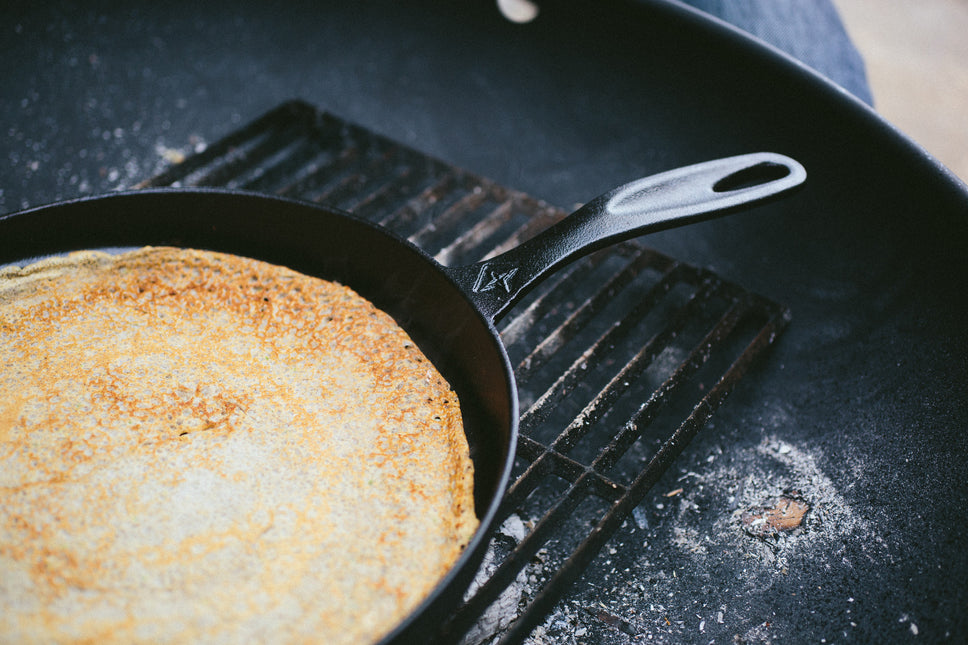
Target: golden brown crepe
x: 198, y: 447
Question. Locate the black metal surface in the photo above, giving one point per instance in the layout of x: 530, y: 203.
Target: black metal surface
x: 861, y: 406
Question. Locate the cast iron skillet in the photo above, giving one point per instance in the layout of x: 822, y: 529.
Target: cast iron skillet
x: 449, y: 312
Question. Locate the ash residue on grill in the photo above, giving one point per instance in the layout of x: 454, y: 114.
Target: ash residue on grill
x: 660, y: 578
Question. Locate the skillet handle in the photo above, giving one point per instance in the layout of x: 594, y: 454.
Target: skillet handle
x: 655, y: 203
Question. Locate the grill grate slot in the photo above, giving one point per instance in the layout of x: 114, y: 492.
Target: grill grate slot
x: 620, y: 358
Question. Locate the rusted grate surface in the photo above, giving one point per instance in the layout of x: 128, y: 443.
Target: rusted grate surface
x: 620, y: 358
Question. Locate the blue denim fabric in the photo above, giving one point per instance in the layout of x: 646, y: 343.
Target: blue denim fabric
x: 809, y: 30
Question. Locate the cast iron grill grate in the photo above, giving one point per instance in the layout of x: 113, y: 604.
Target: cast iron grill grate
x: 620, y: 358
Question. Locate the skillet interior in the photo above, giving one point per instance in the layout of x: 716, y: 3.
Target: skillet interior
x: 396, y: 276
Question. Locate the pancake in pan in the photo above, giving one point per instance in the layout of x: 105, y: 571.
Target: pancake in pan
x: 199, y: 447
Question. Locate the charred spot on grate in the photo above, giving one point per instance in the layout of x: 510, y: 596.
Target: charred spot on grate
x: 620, y: 358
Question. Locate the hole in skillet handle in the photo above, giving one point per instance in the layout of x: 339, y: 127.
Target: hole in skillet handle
x: 761, y: 173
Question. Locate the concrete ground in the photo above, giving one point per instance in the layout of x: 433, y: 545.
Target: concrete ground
x: 916, y: 52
